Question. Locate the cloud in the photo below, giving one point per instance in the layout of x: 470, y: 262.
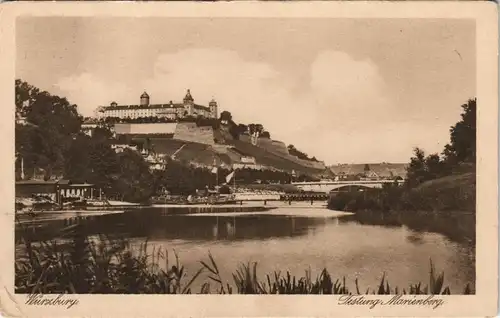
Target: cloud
x: 89, y: 91
x: 252, y: 91
x: 336, y: 116
x: 352, y: 88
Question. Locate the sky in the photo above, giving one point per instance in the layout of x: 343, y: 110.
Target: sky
x: 343, y: 90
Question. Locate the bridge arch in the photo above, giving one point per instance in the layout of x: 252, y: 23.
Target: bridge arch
x: 351, y: 187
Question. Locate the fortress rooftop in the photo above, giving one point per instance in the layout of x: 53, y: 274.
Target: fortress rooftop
x: 152, y: 106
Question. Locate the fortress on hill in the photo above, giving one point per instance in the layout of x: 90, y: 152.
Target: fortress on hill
x: 180, y: 135
x: 170, y: 110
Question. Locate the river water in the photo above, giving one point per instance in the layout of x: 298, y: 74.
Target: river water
x: 296, y: 239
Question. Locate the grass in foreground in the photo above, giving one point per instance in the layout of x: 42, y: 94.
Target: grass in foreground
x: 106, y: 266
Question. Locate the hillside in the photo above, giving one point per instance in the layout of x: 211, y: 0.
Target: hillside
x: 203, y: 154
x: 268, y: 158
x: 204, y: 145
x: 455, y: 192
x: 197, y: 153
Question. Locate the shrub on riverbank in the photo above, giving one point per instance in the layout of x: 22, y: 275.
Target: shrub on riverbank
x: 445, y: 205
x: 451, y: 193
x: 109, y: 266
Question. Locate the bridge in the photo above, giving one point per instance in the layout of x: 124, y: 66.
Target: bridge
x: 328, y: 186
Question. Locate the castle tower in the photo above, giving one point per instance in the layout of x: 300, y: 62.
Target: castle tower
x: 189, y: 103
x: 144, y: 99
x: 213, y: 108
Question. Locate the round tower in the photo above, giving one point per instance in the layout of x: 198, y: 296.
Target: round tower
x: 213, y: 108
x: 144, y: 99
x: 189, y: 103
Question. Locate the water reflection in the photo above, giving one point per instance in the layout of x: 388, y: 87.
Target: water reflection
x: 158, y: 224
x: 457, y: 226
x: 359, y: 245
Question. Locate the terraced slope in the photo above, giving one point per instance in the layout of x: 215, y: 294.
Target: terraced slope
x: 192, y: 152
x: 205, y: 154
x: 265, y: 157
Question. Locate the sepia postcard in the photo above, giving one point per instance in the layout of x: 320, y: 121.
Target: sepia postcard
x: 248, y: 159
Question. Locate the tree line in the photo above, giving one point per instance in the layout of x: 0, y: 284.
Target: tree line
x: 239, y: 129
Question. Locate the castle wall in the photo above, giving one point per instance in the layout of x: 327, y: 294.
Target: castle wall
x: 191, y: 132
x: 149, y: 128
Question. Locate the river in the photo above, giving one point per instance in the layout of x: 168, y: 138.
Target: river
x: 296, y: 239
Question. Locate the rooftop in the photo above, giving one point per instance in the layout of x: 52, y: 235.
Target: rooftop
x: 188, y: 98
x: 152, y: 106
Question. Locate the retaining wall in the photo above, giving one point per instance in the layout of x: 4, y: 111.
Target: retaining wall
x: 191, y: 132
x: 145, y: 129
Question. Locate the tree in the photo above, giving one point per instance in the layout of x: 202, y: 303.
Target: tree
x: 54, y: 122
x: 77, y: 164
x: 423, y: 168
x: 251, y: 129
x: 435, y: 167
x: 226, y: 116
x: 265, y: 134
x: 297, y: 153
x: 259, y: 128
x: 367, y: 167
x: 134, y: 182
x: 462, y: 146
x: 416, y: 171
x: 242, y: 128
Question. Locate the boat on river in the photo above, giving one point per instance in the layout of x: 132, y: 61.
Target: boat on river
x: 194, y: 200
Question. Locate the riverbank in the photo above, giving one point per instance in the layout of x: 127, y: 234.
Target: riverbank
x: 444, y: 205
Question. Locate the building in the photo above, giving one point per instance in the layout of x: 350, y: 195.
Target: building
x: 21, y: 120
x: 155, y: 161
x: 54, y: 190
x: 118, y: 148
x: 88, y: 127
x: 170, y: 110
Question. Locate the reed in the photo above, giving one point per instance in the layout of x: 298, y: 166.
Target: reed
x: 110, y: 266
